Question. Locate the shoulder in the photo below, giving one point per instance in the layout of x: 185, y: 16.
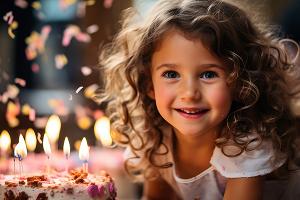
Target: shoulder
x: 260, y: 161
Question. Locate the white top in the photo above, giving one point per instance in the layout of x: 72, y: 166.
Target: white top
x: 210, y: 184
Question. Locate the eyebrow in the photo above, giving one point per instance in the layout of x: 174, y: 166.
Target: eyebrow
x: 208, y: 65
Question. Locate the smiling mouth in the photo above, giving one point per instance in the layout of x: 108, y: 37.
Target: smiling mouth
x: 192, y: 111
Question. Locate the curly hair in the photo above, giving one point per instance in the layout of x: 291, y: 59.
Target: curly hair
x: 256, y: 58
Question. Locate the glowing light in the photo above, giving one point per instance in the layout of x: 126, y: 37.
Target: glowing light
x: 66, y: 147
x: 84, y: 150
x: 53, y: 128
x: 102, y: 131
x: 20, y: 150
x: 30, y: 139
x: 46, y: 145
x: 5, y: 141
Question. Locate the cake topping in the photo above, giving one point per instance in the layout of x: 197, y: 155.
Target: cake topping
x: 112, y: 190
x: 22, y: 196
x: 42, y: 196
x: 8, y: 195
x: 93, y: 191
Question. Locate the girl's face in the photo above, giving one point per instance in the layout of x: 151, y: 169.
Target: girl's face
x: 189, y: 85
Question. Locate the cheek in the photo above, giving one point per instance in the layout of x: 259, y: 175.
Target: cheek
x: 221, y: 99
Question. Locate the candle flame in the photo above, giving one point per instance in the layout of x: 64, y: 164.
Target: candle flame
x: 5, y: 141
x: 84, y: 150
x: 46, y: 145
x: 53, y: 128
x: 30, y: 139
x: 66, y: 147
x: 20, y: 150
x: 102, y: 131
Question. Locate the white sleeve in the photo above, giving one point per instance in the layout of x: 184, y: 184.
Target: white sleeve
x: 260, y: 161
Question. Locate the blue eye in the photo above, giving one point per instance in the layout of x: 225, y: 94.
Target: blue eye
x: 208, y: 75
x: 170, y: 74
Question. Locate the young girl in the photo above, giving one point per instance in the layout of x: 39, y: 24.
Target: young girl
x: 198, y: 95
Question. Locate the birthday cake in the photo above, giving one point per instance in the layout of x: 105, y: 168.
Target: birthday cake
x: 59, y: 186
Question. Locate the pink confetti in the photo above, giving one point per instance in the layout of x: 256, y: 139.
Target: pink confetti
x: 32, y: 114
x: 64, y: 4
x: 35, y: 68
x: 107, y: 3
x: 78, y: 89
x: 21, y: 3
x: 20, y: 81
x: 86, y: 70
x: 8, y: 17
x: 74, y: 31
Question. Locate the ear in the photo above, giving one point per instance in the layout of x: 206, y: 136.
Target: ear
x: 150, y: 92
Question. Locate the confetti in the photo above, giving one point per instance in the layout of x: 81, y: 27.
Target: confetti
x: 81, y: 9
x: 92, y: 29
x: 90, y: 2
x: 32, y: 114
x: 74, y: 31
x: 107, y: 3
x: 26, y: 109
x: 89, y: 92
x: 78, y: 89
x: 36, y: 5
x: 14, y: 25
x: 8, y: 17
x: 36, y: 42
x: 35, y: 68
x: 21, y: 3
x: 12, y: 91
x: 70, y: 97
x: 60, y: 61
x: 20, y: 81
x: 86, y: 70
x: 84, y: 122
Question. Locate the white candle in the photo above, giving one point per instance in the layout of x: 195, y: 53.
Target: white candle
x: 84, y: 154
x: 66, y: 149
x: 47, y: 149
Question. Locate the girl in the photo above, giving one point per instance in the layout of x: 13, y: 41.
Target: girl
x: 198, y: 95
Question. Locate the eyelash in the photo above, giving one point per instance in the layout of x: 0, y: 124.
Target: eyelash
x: 175, y: 74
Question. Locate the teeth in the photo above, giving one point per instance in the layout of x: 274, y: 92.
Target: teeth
x: 190, y: 111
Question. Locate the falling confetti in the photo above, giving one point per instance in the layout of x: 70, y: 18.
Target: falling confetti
x: 14, y: 25
x: 35, y: 68
x: 60, y: 61
x: 92, y: 29
x: 89, y: 92
x: 26, y: 109
x: 21, y: 3
x: 39, y: 136
x: 86, y: 70
x: 74, y: 31
x: 107, y: 3
x: 64, y: 4
x: 79, y: 89
x: 36, y: 42
x: 36, y: 5
x: 20, y: 81
x: 90, y: 2
x: 8, y: 17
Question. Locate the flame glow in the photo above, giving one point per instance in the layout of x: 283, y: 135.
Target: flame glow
x: 84, y: 150
x: 30, y: 139
x: 66, y: 147
x: 53, y: 128
x: 20, y: 150
x: 5, y: 141
x: 46, y: 145
x: 102, y: 131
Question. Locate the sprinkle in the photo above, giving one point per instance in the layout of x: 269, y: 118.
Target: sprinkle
x: 78, y: 89
x: 20, y: 81
x: 86, y: 70
x: 92, y: 29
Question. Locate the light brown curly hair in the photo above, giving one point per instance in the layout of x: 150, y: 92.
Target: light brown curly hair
x: 257, y: 63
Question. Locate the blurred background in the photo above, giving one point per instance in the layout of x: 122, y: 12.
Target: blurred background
x: 48, y: 66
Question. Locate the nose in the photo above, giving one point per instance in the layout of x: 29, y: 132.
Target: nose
x: 190, y: 90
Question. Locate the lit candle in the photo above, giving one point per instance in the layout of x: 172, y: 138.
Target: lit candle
x: 47, y: 149
x: 52, y: 130
x: 102, y: 131
x: 5, y: 143
x: 66, y: 149
x: 30, y: 139
x: 20, y: 152
x: 84, y: 154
